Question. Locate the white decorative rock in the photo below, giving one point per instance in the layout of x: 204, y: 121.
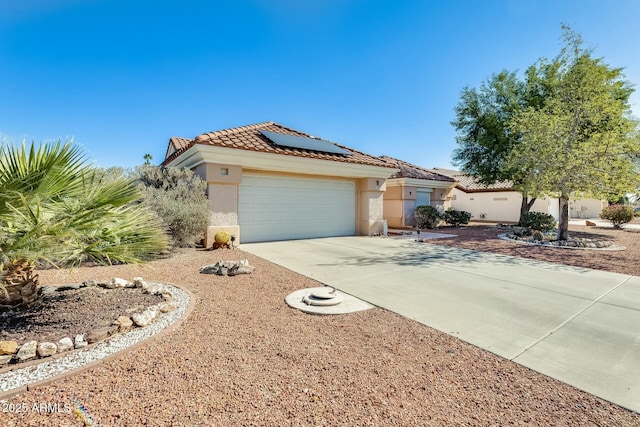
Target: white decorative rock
x: 118, y: 282
x: 123, y: 323
x: 146, y: 317
x: 65, y: 344
x: 139, y: 282
x: 166, y: 306
x: 4, y: 359
x: 152, y: 288
x: 79, y: 341
x: 46, y: 349
x: 27, y: 351
x: 101, y: 334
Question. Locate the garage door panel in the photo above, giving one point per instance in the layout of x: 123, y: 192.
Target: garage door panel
x: 281, y: 208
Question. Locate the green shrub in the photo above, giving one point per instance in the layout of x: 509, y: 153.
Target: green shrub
x: 178, y: 198
x: 538, y: 221
x: 427, y: 217
x: 456, y: 218
x: 57, y: 209
x: 617, y: 214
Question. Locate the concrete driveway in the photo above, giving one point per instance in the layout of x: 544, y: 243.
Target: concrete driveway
x: 578, y: 325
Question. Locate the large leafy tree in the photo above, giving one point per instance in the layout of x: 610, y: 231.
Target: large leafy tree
x: 55, y: 208
x: 484, y: 136
x: 582, y: 140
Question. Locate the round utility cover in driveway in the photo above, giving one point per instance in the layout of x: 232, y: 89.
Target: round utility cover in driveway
x: 348, y: 304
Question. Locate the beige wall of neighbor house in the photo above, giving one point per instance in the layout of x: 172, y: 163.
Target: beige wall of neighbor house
x: 498, y: 206
x: 504, y: 206
x: 586, y: 208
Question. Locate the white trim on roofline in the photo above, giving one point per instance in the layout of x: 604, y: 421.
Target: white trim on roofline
x: 415, y: 182
x: 199, y: 154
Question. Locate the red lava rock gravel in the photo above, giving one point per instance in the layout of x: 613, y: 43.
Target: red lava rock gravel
x: 244, y: 358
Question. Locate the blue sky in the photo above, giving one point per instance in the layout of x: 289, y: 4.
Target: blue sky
x: 121, y: 77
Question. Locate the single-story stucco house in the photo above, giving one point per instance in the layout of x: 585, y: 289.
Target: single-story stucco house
x: 500, y: 203
x: 270, y: 182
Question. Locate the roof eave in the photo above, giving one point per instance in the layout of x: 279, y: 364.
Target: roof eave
x: 198, y: 154
x: 415, y: 182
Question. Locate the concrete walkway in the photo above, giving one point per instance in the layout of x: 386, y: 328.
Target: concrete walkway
x: 578, y: 325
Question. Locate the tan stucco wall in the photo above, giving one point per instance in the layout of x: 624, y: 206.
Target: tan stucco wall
x: 370, y: 206
x: 222, y: 190
x: 224, y: 204
x: 219, y: 173
x: 400, y: 200
x: 224, y: 211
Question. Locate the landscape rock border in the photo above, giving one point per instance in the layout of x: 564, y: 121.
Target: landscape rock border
x: 583, y: 244
x: 38, y: 372
x: 39, y: 350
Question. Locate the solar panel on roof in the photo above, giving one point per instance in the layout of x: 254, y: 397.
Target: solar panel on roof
x: 304, y: 143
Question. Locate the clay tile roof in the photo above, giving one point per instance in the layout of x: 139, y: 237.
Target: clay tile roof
x: 179, y: 143
x: 469, y: 184
x: 408, y: 170
x: 250, y: 138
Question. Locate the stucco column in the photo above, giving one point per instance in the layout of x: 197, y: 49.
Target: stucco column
x: 222, y: 190
x: 370, y: 206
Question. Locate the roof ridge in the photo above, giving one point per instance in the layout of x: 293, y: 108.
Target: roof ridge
x: 411, y: 165
x: 238, y: 129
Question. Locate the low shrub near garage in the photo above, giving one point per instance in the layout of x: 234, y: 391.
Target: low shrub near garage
x: 456, y: 218
x: 427, y: 217
x: 539, y: 221
x: 617, y: 214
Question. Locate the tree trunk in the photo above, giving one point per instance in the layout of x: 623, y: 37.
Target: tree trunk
x: 525, y: 207
x: 563, y: 223
x: 19, y: 285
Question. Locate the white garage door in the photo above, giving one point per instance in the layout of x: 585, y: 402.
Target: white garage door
x: 282, y: 208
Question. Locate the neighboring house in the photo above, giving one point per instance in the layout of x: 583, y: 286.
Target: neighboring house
x: 270, y: 182
x: 413, y: 186
x: 500, y: 203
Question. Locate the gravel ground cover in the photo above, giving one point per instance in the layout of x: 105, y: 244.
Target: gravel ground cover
x: 483, y: 238
x: 244, y: 358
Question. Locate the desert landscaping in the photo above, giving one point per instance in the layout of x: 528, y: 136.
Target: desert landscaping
x: 243, y: 357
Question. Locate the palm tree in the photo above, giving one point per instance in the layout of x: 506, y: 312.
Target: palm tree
x: 147, y: 159
x: 56, y: 209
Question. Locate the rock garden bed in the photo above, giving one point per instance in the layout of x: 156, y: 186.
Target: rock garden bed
x: 73, y: 316
x: 533, y: 237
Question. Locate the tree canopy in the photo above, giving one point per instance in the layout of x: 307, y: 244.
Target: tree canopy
x: 484, y: 135
x: 482, y: 124
x: 564, y: 130
x: 582, y: 141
